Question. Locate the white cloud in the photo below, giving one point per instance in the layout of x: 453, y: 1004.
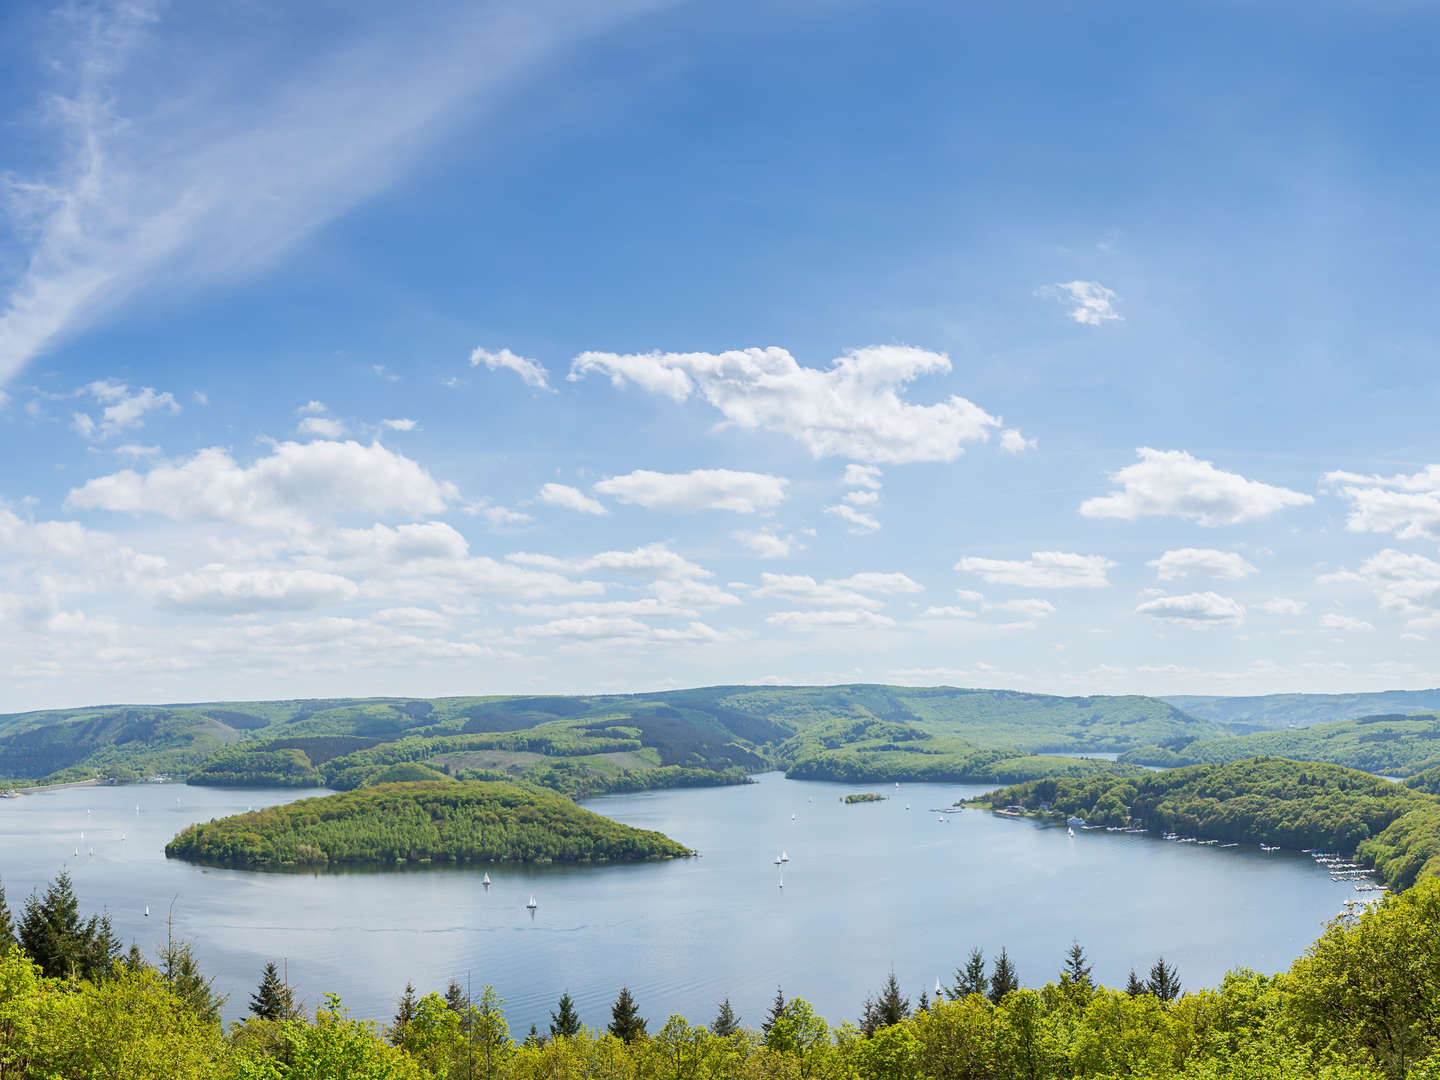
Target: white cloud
x: 1400, y: 581
x: 1195, y: 609
x: 569, y: 498
x: 381, y: 372
x: 124, y: 409
x: 312, y: 408
x: 768, y: 544
x: 968, y: 596
x: 288, y: 489
x: 854, y: 408
x: 701, y: 489
x: 1282, y: 605
x: 1043, y: 570
x: 860, y: 523
x: 414, y: 618
x: 1406, y: 505
x: 804, y: 589
x: 216, y: 171
x: 1094, y: 303
x: 321, y: 427
x: 397, y: 544
x: 217, y: 589
x: 861, y: 498
x: 829, y: 620
x: 400, y: 424
x: 1029, y: 606
x: 1012, y: 442
x: 879, y: 582
x: 862, y: 476
x: 505, y: 360
x: 1224, y: 565
x: 1347, y: 623
x: 950, y: 611
x: 1175, y: 484
x: 651, y: 560
x: 497, y: 516
x: 135, y: 450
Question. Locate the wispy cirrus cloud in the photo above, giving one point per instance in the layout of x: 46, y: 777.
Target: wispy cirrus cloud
x: 213, y: 173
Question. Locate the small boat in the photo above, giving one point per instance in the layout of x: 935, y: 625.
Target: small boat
x: 92, y: 851
x: 532, y: 905
x: 122, y: 837
x: 907, y: 806
x: 485, y: 880
x: 1269, y: 847
x: 77, y: 852
x: 784, y: 857
x: 147, y: 911
x: 792, y: 817
x: 939, y: 990
x: 1070, y: 832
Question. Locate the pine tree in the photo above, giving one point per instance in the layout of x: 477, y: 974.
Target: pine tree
x: 1077, y: 966
x: 1003, y: 979
x: 564, y: 1021
x: 52, y: 933
x: 971, y: 978
x: 182, y: 975
x: 625, y: 1021
x: 1164, y: 981
x: 1135, y: 987
x: 456, y: 1000
x: 777, y: 1010
x: 273, y: 1000
x: 7, y: 923
x: 134, y: 961
x: 924, y: 1005
x: 889, y: 1008
x: 726, y: 1023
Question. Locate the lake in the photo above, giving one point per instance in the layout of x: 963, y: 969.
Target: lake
x: 868, y: 888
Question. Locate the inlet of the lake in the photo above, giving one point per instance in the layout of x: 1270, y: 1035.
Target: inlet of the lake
x: 868, y: 888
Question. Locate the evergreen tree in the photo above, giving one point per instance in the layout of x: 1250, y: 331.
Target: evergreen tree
x: 625, y: 1021
x: 182, y: 975
x: 726, y: 1023
x: 456, y: 1000
x: 52, y: 933
x: 274, y: 1000
x: 564, y: 1021
x: 7, y: 923
x: 134, y: 961
x: 1164, y: 981
x: 971, y: 978
x: 1003, y: 979
x: 1135, y: 987
x: 405, y: 1011
x: 1077, y: 966
x: 889, y: 1008
x: 924, y: 1005
x: 777, y: 1010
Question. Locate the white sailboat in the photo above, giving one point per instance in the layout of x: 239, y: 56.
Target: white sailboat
x: 1070, y: 832
x: 485, y: 880
x: 784, y: 857
x: 532, y: 905
x: 939, y: 990
x: 147, y: 911
x: 77, y: 852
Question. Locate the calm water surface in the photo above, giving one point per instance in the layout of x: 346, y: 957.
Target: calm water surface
x: 867, y: 888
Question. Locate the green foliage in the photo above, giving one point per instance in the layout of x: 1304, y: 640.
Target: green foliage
x: 460, y: 822
x: 726, y: 1023
x: 886, y: 1008
x: 273, y: 999
x: 53, y: 935
x: 1279, y: 711
x: 1390, y: 745
x: 1003, y: 978
x: 1275, y: 800
x: 626, y: 1023
x: 564, y: 1021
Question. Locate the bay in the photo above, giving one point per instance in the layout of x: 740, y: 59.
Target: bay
x: 868, y: 888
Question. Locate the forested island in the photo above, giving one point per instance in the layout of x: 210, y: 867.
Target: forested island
x: 1388, y: 826
x: 1361, y: 1004
x: 443, y: 820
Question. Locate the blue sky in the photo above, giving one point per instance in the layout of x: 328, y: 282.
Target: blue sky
x: 587, y: 346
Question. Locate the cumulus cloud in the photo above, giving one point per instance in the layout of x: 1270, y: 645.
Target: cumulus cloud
x: 1401, y: 581
x: 1013, y: 442
x: 288, y: 489
x: 1406, y: 505
x: 505, y: 360
x: 860, y: 522
x: 862, y: 476
x: 217, y: 589
x: 1224, y: 565
x: 321, y: 427
x: 950, y: 611
x: 569, y: 498
x: 496, y: 516
x: 861, y: 498
x: 1030, y: 607
x: 804, y: 589
x: 880, y: 582
x: 400, y: 424
x: 829, y: 620
x: 652, y: 560
x: 700, y: 489
x: 1347, y: 623
x: 768, y: 544
x: 1175, y: 484
x: 123, y: 409
x: 1043, y: 570
x: 1094, y: 304
x: 1194, y: 609
x: 1282, y: 605
x: 855, y: 408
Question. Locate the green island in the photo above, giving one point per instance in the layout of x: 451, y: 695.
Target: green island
x: 427, y: 821
x: 1390, y: 827
x: 863, y: 797
x: 1361, y: 1004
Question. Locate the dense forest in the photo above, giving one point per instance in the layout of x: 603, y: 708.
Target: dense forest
x: 1361, y: 1004
x: 428, y: 821
x: 1267, y: 712
x: 1262, y: 800
x: 1387, y: 744
x: 609, y: 741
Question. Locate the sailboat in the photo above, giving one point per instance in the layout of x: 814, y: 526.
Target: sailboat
x: 122, y: 837
x: 784, y: 857
x: 907, y: 806
x: 77, y: 852
x: 778, y: 860
x: 147, y: 911
x: 1070, y: 832
x: 532, y: 905
x: 939, y: 990
x: 485, y: 880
